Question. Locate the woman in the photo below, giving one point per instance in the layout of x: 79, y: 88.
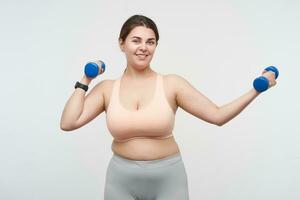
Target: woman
x: 140, y: 110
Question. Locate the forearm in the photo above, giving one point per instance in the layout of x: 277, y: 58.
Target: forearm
x: 232, y: 109
x: 74, y: 106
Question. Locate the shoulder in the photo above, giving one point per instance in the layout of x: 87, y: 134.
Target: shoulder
x: 174, y: 80
x: 179, y: 85
x: 174, y: 84
x: 104, y: 85
x: 172, y: 77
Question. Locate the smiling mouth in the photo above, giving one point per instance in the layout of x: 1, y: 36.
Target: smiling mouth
x: 142, y: 56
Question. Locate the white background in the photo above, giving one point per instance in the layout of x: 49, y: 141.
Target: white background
x: 218, y: 46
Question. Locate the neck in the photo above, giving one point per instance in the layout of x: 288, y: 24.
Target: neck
x: 132, y: 73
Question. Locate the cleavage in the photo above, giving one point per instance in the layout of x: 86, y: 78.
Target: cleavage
x: 142, y: 96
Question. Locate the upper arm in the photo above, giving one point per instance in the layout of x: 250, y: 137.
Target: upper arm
x: 193, y: 101
x: 93, y: 104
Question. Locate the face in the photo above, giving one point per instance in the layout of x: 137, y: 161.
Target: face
x: 139, y: 47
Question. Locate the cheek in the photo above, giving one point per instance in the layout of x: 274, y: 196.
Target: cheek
x: 152, y: 49
x: 131, y: 49
x: 128, y: 51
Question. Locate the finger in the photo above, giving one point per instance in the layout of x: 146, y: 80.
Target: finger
x: 272, y: 83
x: 264, y: 71
x: 271, y: 74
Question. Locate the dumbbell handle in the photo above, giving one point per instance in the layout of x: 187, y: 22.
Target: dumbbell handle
x: 261, y: 83
x: 92, y: 69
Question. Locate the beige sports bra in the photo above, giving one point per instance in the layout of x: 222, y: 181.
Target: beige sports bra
x: 156, y: 120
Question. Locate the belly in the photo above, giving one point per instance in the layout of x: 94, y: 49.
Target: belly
x: 146, y: 148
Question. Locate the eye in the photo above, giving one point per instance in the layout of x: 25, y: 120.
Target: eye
x: 151, y: 42
x: 135, y: 41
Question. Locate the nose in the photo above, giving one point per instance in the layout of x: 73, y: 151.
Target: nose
x: 143, y: 47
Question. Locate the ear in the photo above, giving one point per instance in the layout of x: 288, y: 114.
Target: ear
x: 121, y: 44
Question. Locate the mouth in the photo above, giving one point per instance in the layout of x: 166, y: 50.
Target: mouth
x: 141, y: 56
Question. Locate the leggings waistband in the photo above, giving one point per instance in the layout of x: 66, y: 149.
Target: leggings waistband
x: 148, y: 163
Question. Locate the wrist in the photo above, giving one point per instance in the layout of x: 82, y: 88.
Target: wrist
x: 82, y: 86
x: 254, y: 92
x: 85, y: 80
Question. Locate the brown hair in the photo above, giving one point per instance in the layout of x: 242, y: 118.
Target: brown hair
x: 134, y: 21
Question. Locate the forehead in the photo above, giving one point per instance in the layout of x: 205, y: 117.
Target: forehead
x: 142, y: 32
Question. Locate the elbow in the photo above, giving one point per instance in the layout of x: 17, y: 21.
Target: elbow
x: 216, y: 122
x: 216, y: 118
x: 219, y: 123
x: 66, y: 127
x: 219, y: 118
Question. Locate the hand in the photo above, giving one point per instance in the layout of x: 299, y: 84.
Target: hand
x: 270, y: 75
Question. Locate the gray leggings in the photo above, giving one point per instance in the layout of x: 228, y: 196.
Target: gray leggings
x: 161, y: 179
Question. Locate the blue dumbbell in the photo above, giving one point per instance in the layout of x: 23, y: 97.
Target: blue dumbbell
x: 92, y: 69
x: 262, y: 83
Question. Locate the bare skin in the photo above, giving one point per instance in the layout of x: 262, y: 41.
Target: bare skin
x: 133, y: 96
x: 137, y: 87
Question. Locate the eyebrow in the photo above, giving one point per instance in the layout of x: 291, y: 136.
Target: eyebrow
x: 140, y: 38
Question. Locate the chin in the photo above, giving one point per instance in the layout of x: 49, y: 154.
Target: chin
x: 140, y: 67
x: 141, y: 64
